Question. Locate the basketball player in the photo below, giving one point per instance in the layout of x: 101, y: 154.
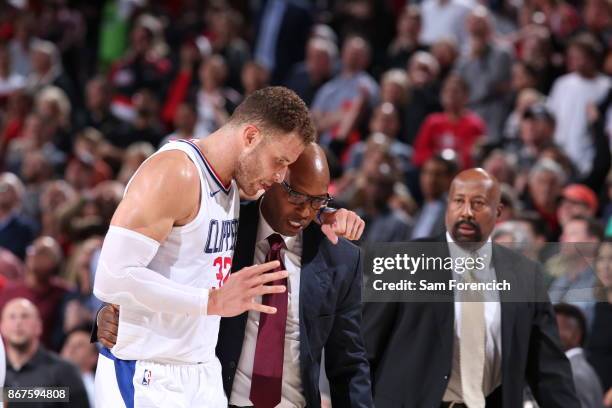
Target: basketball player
x: 167, y: 255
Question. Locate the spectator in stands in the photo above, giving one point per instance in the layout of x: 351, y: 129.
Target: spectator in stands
x: 573, y: 333
x: 434, y: 179
x: 28, y: 363
x: 577, y: 200
x: 16, y: 231
x: 134, y: 156
x: 254, y: 76
x: 213, y: 100
x: 443, y: 19
x: 545, y: 182
x: 43, y: 287
x: 446, y: 52
x: 338, y: 105
x: 386, y: 121
x: 524, y: 100
x: 456, y: 129
x: 487, y: 70
x: 82, y: 353
x: 571, y: 96
x: 144, y: 64
x: 224, y: 40
x: 407, y: 38
x: 47, y: 70
x: 36, y: 171
x: 599, y: 342
x: 185, y: 120
x: 423, y: 73
x: 98, y: 114
x: 21, y: 44
x: 575, y: 279
x: 307, y: 77
x: 9, y: 81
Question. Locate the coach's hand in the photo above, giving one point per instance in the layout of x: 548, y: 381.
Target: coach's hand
x: 108, y: 325
x: 342, y: 223
x: 237, y: 294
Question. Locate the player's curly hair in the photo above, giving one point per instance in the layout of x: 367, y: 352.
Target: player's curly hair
x: 278, y: 110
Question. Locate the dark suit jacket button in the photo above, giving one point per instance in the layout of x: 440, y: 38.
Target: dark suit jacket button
x: 446, y: 377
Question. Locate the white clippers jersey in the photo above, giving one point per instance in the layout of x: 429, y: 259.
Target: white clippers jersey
x: 198, y: 254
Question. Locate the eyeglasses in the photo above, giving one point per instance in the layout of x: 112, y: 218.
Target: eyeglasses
x: 297, y: 198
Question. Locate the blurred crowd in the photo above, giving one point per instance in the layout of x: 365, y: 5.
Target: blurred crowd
x: 403, y: 94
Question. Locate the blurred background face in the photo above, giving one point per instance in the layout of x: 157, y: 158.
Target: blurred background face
x: 98, y: 95
x: 8, y: 197
x: 434, y: 179
x: 141, y: 39
x: 41, y: 61
x: 569, y: 332
x: 544, y: 188
x: 355, y: 55
x: 185, y: 118
x: 318, y: 62
x: 536, y: 132
x: 578, y: 60
x: 409, y: 25
x: 78, y: 350
x: 569, y: 209
x: 20, y: 324
x: 42, y: 258
x: 521, y: 78
x: 385, y: 120
x: 213, y: 73
x: 454, y: 97
x: 603, y: 264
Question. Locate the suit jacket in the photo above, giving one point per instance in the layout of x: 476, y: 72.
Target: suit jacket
x: 586, y: 381
x: 330, y: 316
x: 410, y: 345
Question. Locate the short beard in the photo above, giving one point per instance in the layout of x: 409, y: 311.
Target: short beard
x: 21, y: 347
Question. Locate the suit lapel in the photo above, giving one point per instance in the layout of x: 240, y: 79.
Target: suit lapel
x: 312, y: 273
x: 247, y: 234
x: 503, y: 270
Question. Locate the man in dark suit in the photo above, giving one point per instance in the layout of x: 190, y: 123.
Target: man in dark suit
x: 472, y: 354
x: 267, y: 360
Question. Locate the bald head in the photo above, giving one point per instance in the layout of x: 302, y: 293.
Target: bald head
x: 21, y: 325
x: 291, y: 207
x: 310, y: 167
x: 473, y: 206
x: 480, y: 177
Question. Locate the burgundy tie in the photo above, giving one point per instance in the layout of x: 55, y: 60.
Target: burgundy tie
x: 267, y: 377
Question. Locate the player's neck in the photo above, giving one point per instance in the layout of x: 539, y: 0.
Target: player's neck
x: 220, y: 153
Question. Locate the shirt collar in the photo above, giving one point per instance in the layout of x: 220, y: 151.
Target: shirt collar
x: 484, y: 251
x: 573, y: 352
x: 264, y: 230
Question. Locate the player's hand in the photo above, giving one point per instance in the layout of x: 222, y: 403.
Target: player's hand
x: 237, y: 294
x: 342, y: 223
x: 108, y: 325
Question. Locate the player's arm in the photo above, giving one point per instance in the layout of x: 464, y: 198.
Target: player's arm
x: 165, y: 192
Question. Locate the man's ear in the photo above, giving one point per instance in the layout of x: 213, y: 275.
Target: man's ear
x: 250, y: 135
x: 499, y: 210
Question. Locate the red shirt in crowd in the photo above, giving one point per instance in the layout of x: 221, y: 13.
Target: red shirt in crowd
x: 440, y: 132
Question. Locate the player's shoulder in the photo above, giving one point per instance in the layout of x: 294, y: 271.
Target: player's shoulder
x: 172, y: 167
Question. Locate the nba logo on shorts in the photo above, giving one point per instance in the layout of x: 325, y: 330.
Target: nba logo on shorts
x: 146, y: 378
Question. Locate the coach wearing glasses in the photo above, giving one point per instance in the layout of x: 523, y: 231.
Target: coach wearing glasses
x: 274, y: 360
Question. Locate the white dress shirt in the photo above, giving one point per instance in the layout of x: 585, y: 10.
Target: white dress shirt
x: 493, y: 357
x: 291, y: 392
